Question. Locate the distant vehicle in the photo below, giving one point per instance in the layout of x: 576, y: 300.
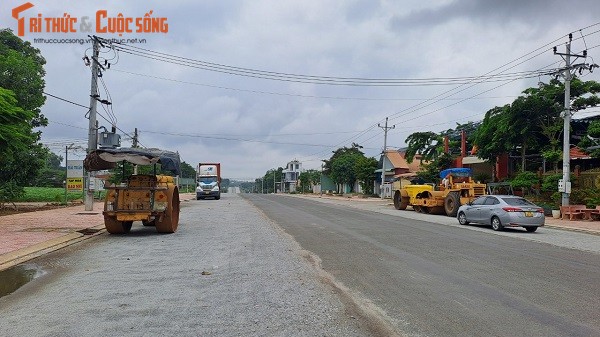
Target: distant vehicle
x: 208, y: 182
x: 501, y: 211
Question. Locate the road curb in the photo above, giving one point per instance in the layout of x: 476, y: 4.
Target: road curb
x: 22, y: 255
x: 572, y: 229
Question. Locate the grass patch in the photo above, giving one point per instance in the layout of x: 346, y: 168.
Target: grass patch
x: 51, y: 194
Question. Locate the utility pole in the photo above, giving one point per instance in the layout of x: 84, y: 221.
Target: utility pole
x: 66, y: 172
x: 274, y: 186
x: 321, y: 182
x: 564, y: 186
x: 385, y: 131
x: 93, y: 128
x: 134, y: 144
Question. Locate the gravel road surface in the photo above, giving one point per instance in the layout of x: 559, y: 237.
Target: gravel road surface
x: 227, y: 271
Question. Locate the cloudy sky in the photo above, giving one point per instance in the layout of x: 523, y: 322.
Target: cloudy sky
x: 252, y: 124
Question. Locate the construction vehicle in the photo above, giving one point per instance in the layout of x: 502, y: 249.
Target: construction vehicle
x: 208, y: 181
x: 456, y: 188
x: 150, y: 198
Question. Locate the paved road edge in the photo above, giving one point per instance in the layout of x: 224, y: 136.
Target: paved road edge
x: 22, y: 255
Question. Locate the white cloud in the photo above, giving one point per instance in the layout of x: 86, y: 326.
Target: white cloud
x: 251, y: 132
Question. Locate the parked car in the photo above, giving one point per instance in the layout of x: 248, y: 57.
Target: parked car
x: 501, y: 211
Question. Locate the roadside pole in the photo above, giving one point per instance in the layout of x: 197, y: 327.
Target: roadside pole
x: 564, y: 186
x: 92, y: 129
x: 385, y: 131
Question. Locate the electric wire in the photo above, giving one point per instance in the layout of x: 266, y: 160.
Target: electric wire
x: 345, y: 81
x: 454, y: 91
x: 288, y: 94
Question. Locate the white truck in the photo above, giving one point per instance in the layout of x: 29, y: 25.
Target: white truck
x: 208, y: 182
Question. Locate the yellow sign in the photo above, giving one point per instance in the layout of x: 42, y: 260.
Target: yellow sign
x: 75, y: 184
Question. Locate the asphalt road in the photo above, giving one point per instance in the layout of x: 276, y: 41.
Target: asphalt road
x: 441, y: 279
x: 227, y: 271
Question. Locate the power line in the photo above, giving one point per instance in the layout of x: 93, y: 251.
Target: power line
x: 232, y: 139
x: 66, y: 100
x: 99, y: 114
x: 291, y: 95
x: 454, y: 91
x: 313, y: 79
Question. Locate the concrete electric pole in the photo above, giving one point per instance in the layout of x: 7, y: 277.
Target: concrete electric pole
x: 564, y: 186
x: 134, y: 144
x: 93, y: 128
x: 385, y: 131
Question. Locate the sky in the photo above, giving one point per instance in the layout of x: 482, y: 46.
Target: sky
x: 250, y: 124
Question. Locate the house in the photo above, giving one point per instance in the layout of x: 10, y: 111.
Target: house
x: 396, y: 168
x: 326, y: 185
x: 291, y: 174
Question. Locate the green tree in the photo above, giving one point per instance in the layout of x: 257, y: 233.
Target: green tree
x: 22, y: 71
x: 21, y: 97
x: 526, y: 181
x: 309, y: 178
x: 187, y: 170
x: 340, y: 167
x: 20, y: 169
x: 15, y: 125
x: 273, y: 175
x: 534, y: 121
x: 591, y: 141
x: 364, y: 169
x: 17, y: 144
x: 354, y: 149
x: 431, y: 171
x: 491, y: 136
x: 225, y: 183
x: 428, y: 144
x: 51, y: 174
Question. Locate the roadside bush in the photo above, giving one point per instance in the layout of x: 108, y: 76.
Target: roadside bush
x: 525, y: 181
x: 550, y: 183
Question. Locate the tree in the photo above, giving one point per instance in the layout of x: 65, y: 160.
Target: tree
x: 51, y: 174
x: 354, y: 149
x: 534, y: 121
x: 591, y: 141
x: 340, y: 167
x: 22, y: 71
x: 491, y: 136
x: 20, y: 168
x: 17, y: 142
x: 428, y: 144
x: 431, y: 171
x: 21, y: 97
x: 364, y: 169
x: 187, y: 170
x: 15, y: 129
x: 225, y: 183
x: 270, y: 177
x: 309, y: 178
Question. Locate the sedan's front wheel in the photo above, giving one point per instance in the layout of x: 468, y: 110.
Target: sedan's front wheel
x: 462, y: 219
x: 496, y: 224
